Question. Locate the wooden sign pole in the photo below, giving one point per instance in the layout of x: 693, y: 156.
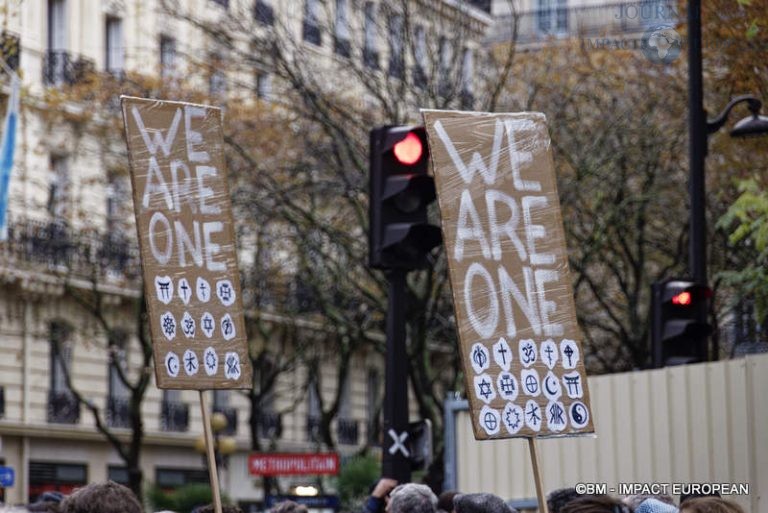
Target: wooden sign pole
x: 537, y: 475
x: 209, y: 449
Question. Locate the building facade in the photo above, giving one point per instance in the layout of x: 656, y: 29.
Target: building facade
x: 70, y: 268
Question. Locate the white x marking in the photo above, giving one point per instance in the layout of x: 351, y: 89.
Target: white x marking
x: 398, y: 441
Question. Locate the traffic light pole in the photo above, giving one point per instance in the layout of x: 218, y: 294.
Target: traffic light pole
x: 697, y: 143
x: 395, y: 457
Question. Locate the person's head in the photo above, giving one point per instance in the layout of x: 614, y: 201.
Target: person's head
x: 210, y: 508
x: 481, y: 503
x: 288, y: 507
x: 710, y: 505
x: 653, y: 505
x: 695, y: 495
x: 445, y: 500
x: 595, y: 504
x: 104, y: 497
x: 412, y: 498
x: 560, y: 497
x: 633, y: 501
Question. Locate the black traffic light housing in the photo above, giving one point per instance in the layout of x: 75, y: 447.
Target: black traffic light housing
x: 680, y: 331
x: 400, y: 236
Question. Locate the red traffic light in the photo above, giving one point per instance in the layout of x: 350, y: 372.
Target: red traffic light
x: 682, y: 299
x: 409, y: 150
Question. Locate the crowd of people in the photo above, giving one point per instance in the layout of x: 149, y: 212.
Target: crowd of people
x: 388, y: 496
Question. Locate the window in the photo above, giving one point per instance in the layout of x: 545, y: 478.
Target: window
x: 171, y: 478
x: 346, y: 428
x: 114, y: 58
x: 223, y: 3
x: 57, y: 25
x: 57, y: 68
x: 372, y: 404
x: 118, y: 474
x: 311, y: 26
x: 47, y: 476
x: 263, y: 13
x: 445, y: 56
x: 263, y: 85
x: 217, y: 84
x: 174, y: 414
x: 467, y: 78
x: 61, y: 355
x: 221, y: 405
x: 58, y: 187
x: 341, y: 28
x: 370, y: 34
x: 396, y: 46
x: 552, y: 16
x: 167, y: 57
x: 63, y: 406
x: 420, y: 57
x: 313, y: 411
x: 118, y: 410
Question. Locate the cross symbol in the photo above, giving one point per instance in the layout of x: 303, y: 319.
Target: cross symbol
x: 503, y: 353
x: 398, y: 442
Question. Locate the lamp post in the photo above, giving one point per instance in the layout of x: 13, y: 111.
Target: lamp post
x: 224, y: 446
x: 699, y: 129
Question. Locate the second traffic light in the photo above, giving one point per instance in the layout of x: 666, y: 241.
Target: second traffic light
x: 680, y: 328
x: 400, y: 236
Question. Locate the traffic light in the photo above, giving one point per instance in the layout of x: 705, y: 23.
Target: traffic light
x: 400, y: 191
x: 680, y: 329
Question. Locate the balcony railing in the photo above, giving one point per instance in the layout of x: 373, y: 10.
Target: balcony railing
x: 63, y: 408
x: 231, y: 414
x: 263, y: 13
x: 347, y: 431
x: 118, y: 412
x: 270, y: 425
x: 62, y: 68
x: 10, y: 49
x: 174, y: 416
x: 54, y: 246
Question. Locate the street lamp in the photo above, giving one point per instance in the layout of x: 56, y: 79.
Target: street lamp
x: 749, y: 126
x: 223, y: 446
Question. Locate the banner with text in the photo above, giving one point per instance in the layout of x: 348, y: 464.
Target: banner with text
x: 187, y: 242
x: 508, y: 264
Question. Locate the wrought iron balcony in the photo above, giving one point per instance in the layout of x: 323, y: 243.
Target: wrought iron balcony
x: 263, y: 13
x: 347, y: 431
x: 63, y: 407
x: 118, y: 412
x: 270, y: 425
x: 231, y: 414
x: 10, y: 49
x: 62, y: 68
x: 174, y: 416
x: 55, y: 247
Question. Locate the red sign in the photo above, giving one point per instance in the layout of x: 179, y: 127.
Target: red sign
x: 293, y: 464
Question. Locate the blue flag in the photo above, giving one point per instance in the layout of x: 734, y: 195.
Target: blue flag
x: 7, y: 148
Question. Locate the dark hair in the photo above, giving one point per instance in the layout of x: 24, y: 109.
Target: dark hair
x: 710, y: 505
x: 560, y: 497
x: 445, y: 500
x: 105, y: 497
x: 288, y: 507
x: 595, y: 504
x: 225, y: 508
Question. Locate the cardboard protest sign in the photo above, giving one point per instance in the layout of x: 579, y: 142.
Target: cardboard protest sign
x: 508, y: 264
x: 186, y: 236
